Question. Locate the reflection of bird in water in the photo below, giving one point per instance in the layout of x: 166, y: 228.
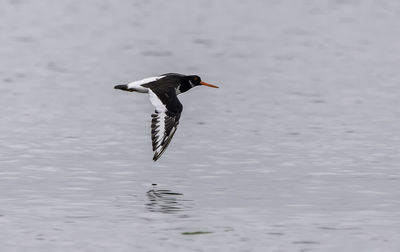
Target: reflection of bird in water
x: 163, y: 91
x: 164, y: 201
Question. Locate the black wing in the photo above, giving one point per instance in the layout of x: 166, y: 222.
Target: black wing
x: 165, y: 120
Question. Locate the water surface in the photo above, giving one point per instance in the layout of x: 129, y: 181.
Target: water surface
x: 297, y: 151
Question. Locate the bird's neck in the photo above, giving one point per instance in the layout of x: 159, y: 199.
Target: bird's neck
x: 183, y: 87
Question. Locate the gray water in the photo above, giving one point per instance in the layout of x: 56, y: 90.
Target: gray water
x: 297, y: 151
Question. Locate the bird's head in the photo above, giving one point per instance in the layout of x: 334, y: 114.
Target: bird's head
x: 195, y: 80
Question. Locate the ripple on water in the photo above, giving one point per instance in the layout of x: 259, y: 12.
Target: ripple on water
x: 165, y: 201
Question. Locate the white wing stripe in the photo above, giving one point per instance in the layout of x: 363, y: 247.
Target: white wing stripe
x: 160, y: 109
x: 161, y: 130
x: 137, y: 84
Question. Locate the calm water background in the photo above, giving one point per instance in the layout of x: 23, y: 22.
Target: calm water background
x: 297, y: 151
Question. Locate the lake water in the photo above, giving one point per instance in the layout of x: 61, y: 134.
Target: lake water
x: 297, y: 151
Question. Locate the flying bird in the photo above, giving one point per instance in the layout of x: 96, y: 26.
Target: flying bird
x: 163, y: 92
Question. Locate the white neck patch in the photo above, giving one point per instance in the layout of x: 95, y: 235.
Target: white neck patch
x: 177, y: 90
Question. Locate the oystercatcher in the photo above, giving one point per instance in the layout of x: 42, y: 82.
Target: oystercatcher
x: 163, y: 91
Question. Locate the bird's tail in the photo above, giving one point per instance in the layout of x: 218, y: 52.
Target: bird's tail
x: 122, y: 87
x: 125, y: 88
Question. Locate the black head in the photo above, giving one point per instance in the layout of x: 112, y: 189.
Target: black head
x: 195, y: 80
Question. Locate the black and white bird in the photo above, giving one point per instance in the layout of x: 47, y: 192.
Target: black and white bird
x: 163, y: 91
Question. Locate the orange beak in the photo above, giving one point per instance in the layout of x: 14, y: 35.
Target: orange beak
x: 208, y: 85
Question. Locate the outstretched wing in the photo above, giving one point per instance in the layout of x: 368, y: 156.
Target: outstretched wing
x: 165, y: 120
